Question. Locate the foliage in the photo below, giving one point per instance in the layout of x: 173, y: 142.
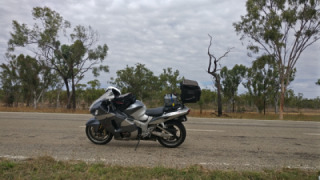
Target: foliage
x: 141, y: 81
x: 231, y: 80
x: 318, y: 82
x: 169, y: 81
x: 10, y: 83
x: 262, y: 81
x: 70, y: 61
x: 282, y: 29
x: 27, y: 77
x: 138, y: 80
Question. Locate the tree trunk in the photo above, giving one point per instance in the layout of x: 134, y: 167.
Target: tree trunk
x: 34, y: 100
x: 233, y: 102
x: 73, y: 95
x: 214, y: 73
x: 281, y: 99
x: 219, y: 96
x: 264, y: 106
x: 276, y: 103
x: 58, y: 99
x: 68, y: 93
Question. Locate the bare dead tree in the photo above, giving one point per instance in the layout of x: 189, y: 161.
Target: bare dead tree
x: 214, y: 71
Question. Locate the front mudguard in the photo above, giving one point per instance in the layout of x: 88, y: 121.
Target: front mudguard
x: 94, y: 123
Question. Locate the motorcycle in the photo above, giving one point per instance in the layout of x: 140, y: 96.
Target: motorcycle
x: 125, y: 118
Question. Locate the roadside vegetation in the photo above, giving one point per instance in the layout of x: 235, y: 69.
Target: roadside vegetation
x: 52, y: 74
x: 48, y: 168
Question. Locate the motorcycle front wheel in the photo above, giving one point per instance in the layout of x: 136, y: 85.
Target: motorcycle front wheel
x: 179, y: 134
x: 100, y: 137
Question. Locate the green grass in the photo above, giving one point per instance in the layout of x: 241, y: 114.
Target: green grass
x: 48, y: 168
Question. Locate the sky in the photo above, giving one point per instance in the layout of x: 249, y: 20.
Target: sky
x: 161, y: 34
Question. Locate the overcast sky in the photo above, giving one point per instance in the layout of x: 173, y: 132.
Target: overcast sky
x: 161, y: 34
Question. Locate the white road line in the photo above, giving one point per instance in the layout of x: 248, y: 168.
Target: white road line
x: 312, y: 134
x: 13, y: 157
x: 204, y: 130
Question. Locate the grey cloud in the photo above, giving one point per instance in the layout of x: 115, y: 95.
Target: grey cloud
x: 160, y: 34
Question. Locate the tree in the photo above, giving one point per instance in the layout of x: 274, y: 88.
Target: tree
x: 70, y: 61
x: 94, y: 84
x: 138, y: 80
x: 169, y: 81
x: 231, y: 80
x: 214, y: 71
x: 207, y: 98
x: 35, y: 78
x: 318, y: 82
x: 263, y: 81
x: 28, y: 77
x: 10, y: 82
x: 283, y: 29
x: 93, y: 91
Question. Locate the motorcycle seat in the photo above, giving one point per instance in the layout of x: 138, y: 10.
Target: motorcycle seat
x: 155, y: 111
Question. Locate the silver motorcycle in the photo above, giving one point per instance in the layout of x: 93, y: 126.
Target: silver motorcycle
x: 125, y: 118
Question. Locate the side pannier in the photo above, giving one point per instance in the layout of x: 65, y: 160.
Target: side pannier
x: 190, y: 91
x: 122, y: 102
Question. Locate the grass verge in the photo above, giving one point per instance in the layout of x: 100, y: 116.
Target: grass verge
x: 48, y: 168
x: 253, y: 115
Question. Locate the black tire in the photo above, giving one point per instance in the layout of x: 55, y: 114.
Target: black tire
x: 178, y: 130
x: 100, y: 137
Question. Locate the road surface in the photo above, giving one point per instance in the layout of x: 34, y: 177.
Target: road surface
x: 212, y: 143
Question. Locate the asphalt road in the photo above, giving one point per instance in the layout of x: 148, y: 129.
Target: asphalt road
x: 211, y: 143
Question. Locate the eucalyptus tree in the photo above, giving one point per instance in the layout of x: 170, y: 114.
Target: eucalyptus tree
x: 71, y: 61
x: 169, y: 81
x: 28, y: 77
x: 231, y: 80
x: 283, y: 29
x: 138, y: 80
x: 11, y: 84
x: 263, y: 82
x: 35, y: 78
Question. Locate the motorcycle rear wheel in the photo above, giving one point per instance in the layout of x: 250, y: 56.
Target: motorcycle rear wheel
x: 100, y: 137
x: 178, y: 130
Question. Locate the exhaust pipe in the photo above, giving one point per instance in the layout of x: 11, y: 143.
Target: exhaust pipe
x: 160, y: 134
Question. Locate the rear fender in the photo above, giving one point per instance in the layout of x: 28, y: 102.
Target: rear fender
x: 94, y: 123
x: 182, y: 118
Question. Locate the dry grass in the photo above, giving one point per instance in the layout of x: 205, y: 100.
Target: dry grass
x: 307, y: 116
x: 43, y: 110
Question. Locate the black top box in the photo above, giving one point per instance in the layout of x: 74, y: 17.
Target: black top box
x: 190, y: 91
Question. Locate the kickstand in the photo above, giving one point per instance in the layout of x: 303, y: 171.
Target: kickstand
x: 135, y: 149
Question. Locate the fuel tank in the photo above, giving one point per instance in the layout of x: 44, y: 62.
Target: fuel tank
x: 137, y: 110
